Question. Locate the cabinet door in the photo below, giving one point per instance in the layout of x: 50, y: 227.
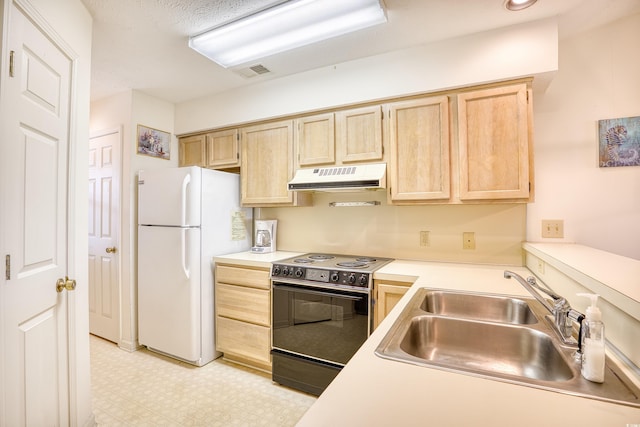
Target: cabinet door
x: 387, y: 296
x: 316, y: 140
x: 223, y: 149
x: 493, y: 130
x: 253, y: 278
x: 243, y: 339
x: 267, y: 163
x: 359, y: 133
x: 419, y: 145
x: 242, y: 303
x: 192, y: 151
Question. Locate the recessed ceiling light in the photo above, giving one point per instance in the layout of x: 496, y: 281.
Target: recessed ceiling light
x: 518, y: 4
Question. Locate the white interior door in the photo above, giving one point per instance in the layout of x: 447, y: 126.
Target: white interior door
x: 34, y: 141
x: 104, y: 226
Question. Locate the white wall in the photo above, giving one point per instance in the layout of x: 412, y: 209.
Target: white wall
x: 598, y: 78
x: 394, y: 231
x: 491, y: 56
x: 127, y: 110
x: 507, y: 53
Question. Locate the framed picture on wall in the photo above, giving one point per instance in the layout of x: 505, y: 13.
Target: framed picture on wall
x: 619, y: 142
x: 154, y: 142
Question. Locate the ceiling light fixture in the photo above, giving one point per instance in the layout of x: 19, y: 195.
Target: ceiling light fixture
x: 518, y: 4
x: 286, y: 26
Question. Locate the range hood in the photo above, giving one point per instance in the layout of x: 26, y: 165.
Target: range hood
x: 338, y: 178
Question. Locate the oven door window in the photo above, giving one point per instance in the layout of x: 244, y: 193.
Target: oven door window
x: 327, y: 325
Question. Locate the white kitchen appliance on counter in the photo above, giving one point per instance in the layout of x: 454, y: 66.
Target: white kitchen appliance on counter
x: 186, y: 216
x: 265, y: 238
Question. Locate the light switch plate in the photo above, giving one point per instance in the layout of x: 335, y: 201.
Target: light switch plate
x: 553, y: 228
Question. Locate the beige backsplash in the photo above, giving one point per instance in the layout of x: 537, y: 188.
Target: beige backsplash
x: 394, y: 231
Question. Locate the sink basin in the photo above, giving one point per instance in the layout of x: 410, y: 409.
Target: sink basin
x: 499, y: 349
x: 492, y: 308
x: 498, y: 337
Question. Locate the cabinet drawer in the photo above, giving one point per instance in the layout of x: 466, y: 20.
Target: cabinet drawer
x: 242, y: 303
x: 243, y: 276
x: 243, y: 339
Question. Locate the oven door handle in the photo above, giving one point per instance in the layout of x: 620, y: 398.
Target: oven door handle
x: 315, y: 292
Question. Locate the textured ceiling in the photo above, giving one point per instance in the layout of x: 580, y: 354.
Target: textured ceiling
x: 142, y: 44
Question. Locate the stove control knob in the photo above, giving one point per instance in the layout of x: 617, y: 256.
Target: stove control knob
x: 299, y: 272
x: 285, y: 271
x: 276, y: 270
x: 351, y: 279
x: 363, y: 280
x: 334, y: 277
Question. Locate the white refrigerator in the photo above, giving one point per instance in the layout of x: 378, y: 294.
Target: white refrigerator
x: 186, y: 216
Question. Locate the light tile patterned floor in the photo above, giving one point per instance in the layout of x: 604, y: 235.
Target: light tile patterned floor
x: 146, y: 389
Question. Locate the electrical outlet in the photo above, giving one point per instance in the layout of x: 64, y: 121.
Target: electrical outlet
x: 468, y: 240
x: 540, y: 266
x: 424, y: 238
x: 553, y: 228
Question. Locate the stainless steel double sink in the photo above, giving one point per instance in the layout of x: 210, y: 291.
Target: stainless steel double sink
x: 499, y: 337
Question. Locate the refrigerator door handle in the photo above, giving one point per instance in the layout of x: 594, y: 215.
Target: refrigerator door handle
x: 183, y: 242
x: 185, y: 183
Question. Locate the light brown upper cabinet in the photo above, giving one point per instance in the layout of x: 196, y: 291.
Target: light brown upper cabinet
x: 215, y: 150
x: 223, y: 149
x: 192, y: 150
x: 419, y: 166
x: 359, y: 134
x: 267, y: 165
x: 316, y: 140
x: 493, y: 142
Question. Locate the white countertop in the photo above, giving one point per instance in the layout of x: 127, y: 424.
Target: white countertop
x: 371, y: 391
x: 592, y: 266
x: 254, y: 259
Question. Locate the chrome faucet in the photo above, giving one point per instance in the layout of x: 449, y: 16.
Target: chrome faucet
x: 563, y: 314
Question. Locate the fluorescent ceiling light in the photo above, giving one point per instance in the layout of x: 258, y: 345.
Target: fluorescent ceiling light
x: 286, y: 26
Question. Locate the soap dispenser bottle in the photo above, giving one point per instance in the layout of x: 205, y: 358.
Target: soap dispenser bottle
x: 593, y: 342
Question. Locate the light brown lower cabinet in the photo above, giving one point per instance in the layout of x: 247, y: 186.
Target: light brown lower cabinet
x: 243, y: 315
x: 244, y: 342
x: 387, y: 294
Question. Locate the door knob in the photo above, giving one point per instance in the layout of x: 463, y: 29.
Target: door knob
x: 111, y: 250
x: 66, y: 283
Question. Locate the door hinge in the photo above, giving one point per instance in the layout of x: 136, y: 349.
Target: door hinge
x: 11, y: 63
x: 7, y: 267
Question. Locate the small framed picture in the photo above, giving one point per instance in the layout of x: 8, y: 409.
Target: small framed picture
x: 619, y: 142
x: 154, y: 142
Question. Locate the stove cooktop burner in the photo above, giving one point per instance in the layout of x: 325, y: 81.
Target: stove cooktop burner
x: 366, y: 259
x: 321, y: 257
x: 303, y: 261
x: 352, y: 264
